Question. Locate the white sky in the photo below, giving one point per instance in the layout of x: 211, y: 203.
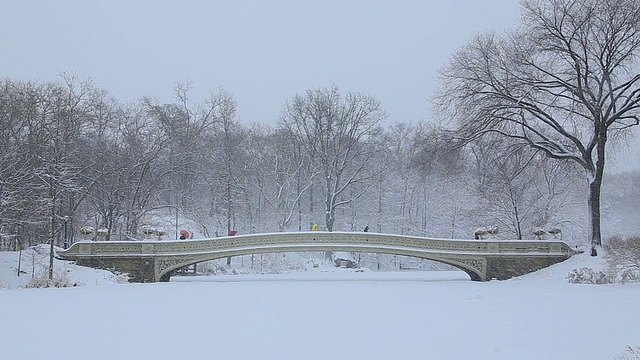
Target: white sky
x: 263, y: 52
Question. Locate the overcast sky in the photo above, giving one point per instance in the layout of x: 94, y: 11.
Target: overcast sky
x: 263, y: 52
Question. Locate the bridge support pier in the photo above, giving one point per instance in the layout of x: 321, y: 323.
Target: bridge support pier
x: 506, y: 267
x: 141, y: 269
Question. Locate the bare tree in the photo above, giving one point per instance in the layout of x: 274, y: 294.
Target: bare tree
x: 126, y: 169
x: 188, y: 128
x: 61, y: 111
x: 518, y: 187
x: 17, y: 111
x: 279, y: 174
x: 338, y: 134
x: 563, y: 83
x: 230, y: 137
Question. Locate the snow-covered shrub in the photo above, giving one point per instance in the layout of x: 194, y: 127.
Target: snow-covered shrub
x: 587, y: 275
x: 117, y: 277
x: 259, y: 264
x: 632, y: 353
x: 60, y: 279
x: 212, y: 268
x: 622, y: 258
x: 283, y: 265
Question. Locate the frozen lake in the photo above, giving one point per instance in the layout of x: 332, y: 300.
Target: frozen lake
x: 323, y: 315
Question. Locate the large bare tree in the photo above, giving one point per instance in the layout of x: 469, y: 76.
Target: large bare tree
x: 563, y: 82
x: 337, y: 133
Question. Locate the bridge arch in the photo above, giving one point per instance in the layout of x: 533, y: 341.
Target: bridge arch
x: 474, y: 273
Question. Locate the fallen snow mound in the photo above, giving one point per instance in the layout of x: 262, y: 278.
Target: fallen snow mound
x: 559, y: 272
x: 22, y: 268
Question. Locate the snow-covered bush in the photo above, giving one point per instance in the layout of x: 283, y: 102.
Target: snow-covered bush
x: 622, y: 258
x: 212, y: 268
x: 60, y: 279
x: 116, y: 277
x: 276, y: 263
x: 587, y: 275
x: 621, y: 263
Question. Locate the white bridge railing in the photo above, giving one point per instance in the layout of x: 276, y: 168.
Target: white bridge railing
x: 314, y: 239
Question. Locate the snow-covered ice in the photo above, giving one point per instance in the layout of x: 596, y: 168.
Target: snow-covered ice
x: 324, y: 313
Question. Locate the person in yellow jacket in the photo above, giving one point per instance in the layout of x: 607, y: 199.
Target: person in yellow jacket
x: 314, y: 227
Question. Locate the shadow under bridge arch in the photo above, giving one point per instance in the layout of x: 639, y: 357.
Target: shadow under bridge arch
x: 471, y: 266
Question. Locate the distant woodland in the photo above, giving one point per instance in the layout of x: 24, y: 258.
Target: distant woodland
x: 523, y: 126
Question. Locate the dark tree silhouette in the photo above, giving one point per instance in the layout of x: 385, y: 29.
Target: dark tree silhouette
x: 563, y: 82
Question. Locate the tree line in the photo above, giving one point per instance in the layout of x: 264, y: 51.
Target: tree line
x: 72, y: 156
x: 521, y: 119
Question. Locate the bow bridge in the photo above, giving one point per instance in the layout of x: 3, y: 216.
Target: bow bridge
x: 150, y: 261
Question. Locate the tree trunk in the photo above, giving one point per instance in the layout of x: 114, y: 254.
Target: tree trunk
x: 311, y: 215
x: 517, y: 223
x: 328, y: 216
x: 298, y: 201
x: 595, y: 189
x: 594, y: 211
x: 52, y: 236
x: 379, y: 215
x: 53, y: 223
x: 329, y: 222
x: 329, y: 201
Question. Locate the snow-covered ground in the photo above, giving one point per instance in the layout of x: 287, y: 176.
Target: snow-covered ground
x: 323, y: 313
